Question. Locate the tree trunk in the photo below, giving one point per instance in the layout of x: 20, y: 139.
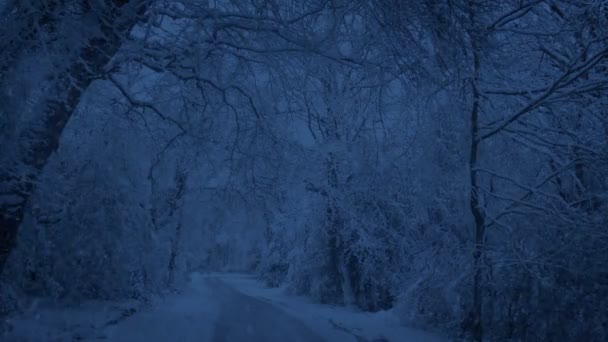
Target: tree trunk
x: 334, y: 225
x: 474, y: 325
x: 180, y: 186
x: 17, y: 180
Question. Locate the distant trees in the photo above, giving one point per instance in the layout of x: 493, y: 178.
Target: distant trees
x: 340, y: 217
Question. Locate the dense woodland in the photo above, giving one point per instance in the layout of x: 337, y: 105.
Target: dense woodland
x: 447, y: 159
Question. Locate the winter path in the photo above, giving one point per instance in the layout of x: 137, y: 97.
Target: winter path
x: 210, y: 310
x: 222, y: 308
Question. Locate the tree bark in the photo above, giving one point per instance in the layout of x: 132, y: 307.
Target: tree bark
x: 116, y: 18
x: 476, y: 315
x: 180, y: 187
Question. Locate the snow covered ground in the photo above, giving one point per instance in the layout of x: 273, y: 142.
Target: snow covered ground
x: 215, y: 308
x: 334, y: 323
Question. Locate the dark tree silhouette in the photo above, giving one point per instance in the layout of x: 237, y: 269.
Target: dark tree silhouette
x: 17, y: 181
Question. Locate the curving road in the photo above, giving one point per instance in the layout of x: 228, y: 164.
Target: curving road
x: 210, y: 310
x: 244, y: 318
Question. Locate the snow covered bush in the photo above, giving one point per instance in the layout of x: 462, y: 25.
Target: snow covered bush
x: 88, y: 234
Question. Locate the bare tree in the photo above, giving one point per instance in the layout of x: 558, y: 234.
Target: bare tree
x: 485, y: 46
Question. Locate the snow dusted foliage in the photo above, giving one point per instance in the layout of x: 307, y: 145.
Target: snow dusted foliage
x: 88, y: 230
x: 352, y: 230
x: 451, y: 166
x: 525, y: 175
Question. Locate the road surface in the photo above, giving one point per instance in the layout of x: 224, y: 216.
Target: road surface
x: 210, y: 310
x: 244, y: 318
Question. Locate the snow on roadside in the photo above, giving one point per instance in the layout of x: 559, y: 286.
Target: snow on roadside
x: 192, y: 315
x: 331, y: 322
x: 187, y: 316
x: 51, y: 321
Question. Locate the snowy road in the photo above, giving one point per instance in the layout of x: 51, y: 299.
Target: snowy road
x: 215, y: 308
x: 244, y: 318
x: 210, y: 310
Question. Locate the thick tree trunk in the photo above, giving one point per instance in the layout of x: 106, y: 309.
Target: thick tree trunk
x: 475, y: 323
x: 475, y: 319
x: 17, y: 180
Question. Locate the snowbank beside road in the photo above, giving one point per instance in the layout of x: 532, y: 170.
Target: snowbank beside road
x: 332, y: 322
